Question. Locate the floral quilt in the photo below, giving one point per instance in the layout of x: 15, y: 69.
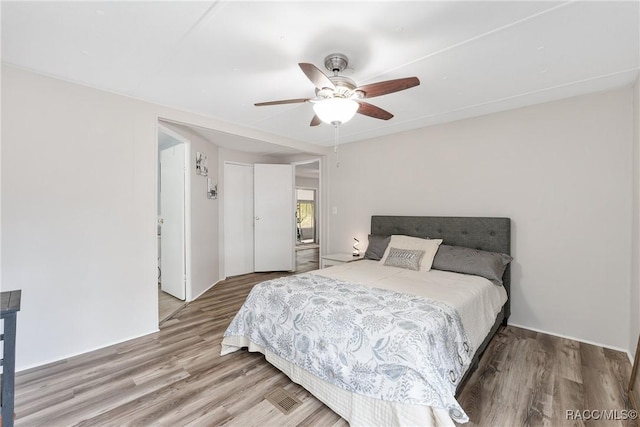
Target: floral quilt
x: 375, y: 342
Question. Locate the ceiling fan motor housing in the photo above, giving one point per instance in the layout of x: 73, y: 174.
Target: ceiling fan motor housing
x: 336, y: 62
x: 344, y: 88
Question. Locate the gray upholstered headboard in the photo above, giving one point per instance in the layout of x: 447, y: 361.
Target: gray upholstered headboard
x: 487, y: 234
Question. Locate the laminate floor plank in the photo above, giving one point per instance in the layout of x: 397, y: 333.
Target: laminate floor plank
x: 176, y: 377
x: 37, y: 404
x: 605, y: 397
x: 216, y: 417
x: 544, y: 374
x: 107, y: 399
x: 592, y: 356
x: 568, y: 396
x: 569, y: 360
x: 619, y: 368
x: 254, y: 392
x: 476, y: 397
x: 167, y: 305
x: 540, y: 402
x: 61, y: 371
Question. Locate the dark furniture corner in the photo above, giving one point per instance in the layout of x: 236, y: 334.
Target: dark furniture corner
x: 10, y: 305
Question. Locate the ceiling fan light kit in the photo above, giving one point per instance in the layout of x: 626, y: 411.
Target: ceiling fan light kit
x: 338, y: 98
x: 336, y: 111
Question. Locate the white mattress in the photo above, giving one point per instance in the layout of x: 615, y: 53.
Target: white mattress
x: 477, y: 300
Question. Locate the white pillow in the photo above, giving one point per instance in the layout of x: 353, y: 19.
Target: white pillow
x: 429, y: 246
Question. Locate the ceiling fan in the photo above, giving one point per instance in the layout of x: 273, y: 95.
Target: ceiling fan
x: 338, y: 98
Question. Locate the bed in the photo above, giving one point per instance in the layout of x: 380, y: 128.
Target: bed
x: 372, y: 379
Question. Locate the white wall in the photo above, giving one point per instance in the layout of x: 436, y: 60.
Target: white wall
x: 78, y: 178
x: 78, y: 219
x: 634, y: 301
x: 205, y: 221
x: 562, y: 171
x: 79, y: 213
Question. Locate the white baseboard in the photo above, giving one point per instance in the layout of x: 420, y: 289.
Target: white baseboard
x: 627, y: 352
x: 87, y: 350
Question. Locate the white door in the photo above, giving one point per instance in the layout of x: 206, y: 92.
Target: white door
x: 172, y: 212
x: 238, y: 219
x: 274, y: 217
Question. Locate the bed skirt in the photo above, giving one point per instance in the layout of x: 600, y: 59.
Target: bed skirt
x: 358, y: 410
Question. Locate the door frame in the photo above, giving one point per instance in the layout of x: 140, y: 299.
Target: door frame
x: 316, y: 214
x: 321, y: 218
x: 187, y: 201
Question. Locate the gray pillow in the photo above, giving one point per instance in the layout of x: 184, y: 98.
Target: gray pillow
x: 490, y: 265
x: 404, y: 258
x: 377, y: 246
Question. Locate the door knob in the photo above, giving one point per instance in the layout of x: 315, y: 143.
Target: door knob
x: 257, y: 218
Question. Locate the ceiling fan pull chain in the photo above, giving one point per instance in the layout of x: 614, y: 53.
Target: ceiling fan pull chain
x: 335, y: 145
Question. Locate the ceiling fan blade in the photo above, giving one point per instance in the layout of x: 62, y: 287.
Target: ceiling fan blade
x: 317, y: 77
x: 284, y: 101
x: 388, y: 86
x: 315, y: 121
x: 373, y: 111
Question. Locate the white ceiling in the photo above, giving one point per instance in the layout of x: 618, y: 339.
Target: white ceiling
x: 219, y: 58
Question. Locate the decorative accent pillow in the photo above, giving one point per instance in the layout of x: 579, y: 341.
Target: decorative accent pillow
x: 429, y: 246
x: 404, y: 258
x: 490, y: 265
x: 377, y: 246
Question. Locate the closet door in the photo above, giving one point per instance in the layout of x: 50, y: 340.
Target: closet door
x: 238, y: 219
x: 274, y: 221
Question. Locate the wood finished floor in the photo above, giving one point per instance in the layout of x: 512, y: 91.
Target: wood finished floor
x: 167, y: 305
x: 307, y: 258
x: 176, y: 377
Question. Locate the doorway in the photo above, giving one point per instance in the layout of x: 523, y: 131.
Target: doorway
x: 172, y: 210
x: 307, y: 176
x: 306, y: 231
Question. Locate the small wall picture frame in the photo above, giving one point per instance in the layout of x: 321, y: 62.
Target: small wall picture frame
x: 212, y: 189
x: 201, y: 164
